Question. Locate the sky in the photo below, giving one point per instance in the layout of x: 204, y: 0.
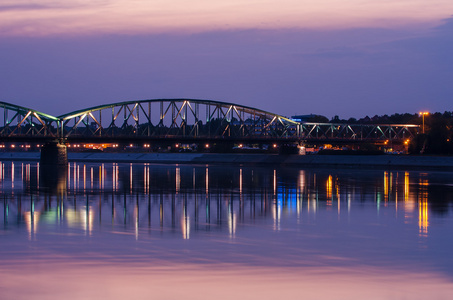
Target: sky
x: 349, y: 58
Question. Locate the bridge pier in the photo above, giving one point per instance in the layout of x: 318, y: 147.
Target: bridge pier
x: 54, y: 167
x: 54, y: 154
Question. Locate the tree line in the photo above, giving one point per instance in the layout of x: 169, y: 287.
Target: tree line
x: 436, y: 139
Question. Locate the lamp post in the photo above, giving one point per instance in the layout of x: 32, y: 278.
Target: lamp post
x: 423, y: 114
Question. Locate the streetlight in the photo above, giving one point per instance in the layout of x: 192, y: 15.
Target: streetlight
x: 423, y: 114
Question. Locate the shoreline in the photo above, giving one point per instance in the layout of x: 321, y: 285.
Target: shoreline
x: 444, y: 163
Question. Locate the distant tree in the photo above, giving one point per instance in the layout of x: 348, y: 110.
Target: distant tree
x: 365, y: 120
x: 438, y: 135
x: 336, y: 119
x: 318, y: 119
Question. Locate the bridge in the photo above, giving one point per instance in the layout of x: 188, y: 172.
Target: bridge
x: 185, y: 121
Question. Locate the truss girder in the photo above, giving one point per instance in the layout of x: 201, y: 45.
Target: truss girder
x: 19, y: 121
x: 178, y: 117
x: 174, y: 118
x: 329, y: 131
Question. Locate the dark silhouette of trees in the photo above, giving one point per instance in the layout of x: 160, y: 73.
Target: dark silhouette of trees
x: 438, y: 127
x: 438, y: 135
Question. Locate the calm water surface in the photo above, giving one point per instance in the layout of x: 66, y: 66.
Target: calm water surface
x: 144, y: 231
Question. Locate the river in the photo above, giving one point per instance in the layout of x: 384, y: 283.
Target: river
x: 156, y: 231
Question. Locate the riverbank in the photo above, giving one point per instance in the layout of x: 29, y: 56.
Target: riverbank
x: 331, y: 161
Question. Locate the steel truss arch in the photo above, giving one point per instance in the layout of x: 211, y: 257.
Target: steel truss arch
x: 186, y: 119
x: 182, y: 118
x: 18, y: 121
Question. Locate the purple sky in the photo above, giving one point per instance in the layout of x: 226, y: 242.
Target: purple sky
x: 351, y: 71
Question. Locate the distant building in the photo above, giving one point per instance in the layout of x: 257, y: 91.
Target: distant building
x: 310, y: 118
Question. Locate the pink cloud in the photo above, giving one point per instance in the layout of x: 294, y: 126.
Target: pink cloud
x: 120, y: 16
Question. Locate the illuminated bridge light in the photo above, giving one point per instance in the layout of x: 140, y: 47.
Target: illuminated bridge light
x: 406, y: 186
x: 329, y: 187
x: 423, y: 217
x: 423, y: 209
x: 185, y: 227
x: 386, y: 185
x: 240, y: 181
x: 207, y: 181
x: 178, y: 180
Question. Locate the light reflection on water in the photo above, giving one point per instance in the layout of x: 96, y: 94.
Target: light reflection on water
x: 316, y: 224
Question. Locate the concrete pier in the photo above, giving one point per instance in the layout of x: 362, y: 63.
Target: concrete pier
x: 54, y: 154
x: 53, y: 167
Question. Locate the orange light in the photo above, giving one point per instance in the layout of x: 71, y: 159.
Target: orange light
x: 423, y: 114
x: 274, y: 145
x: 176, y: 145
x: 206, y: 146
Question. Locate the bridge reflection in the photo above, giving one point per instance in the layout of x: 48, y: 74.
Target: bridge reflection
x: 145, y: 198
